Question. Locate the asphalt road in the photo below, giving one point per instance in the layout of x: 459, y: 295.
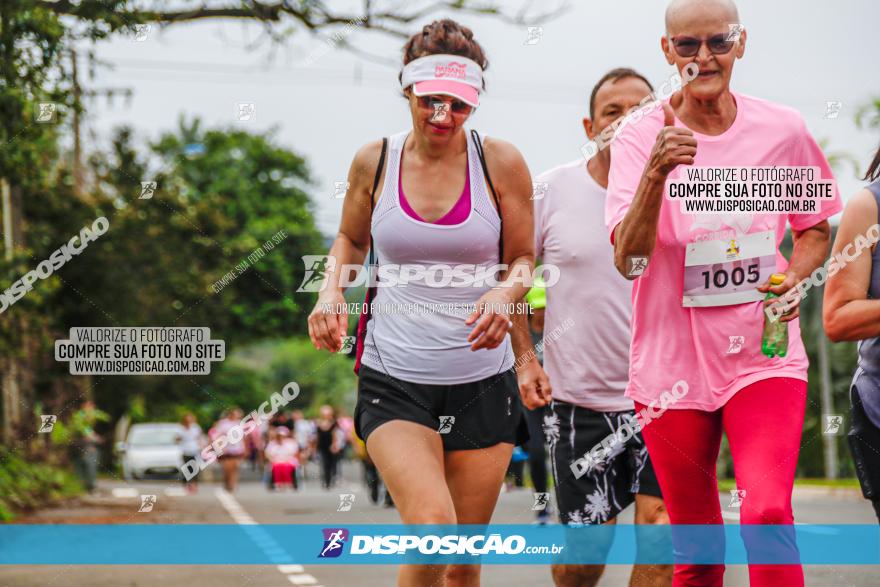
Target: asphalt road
x: 115, y: 502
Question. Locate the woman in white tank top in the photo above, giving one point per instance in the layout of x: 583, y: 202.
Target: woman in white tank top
x: 438, y: 403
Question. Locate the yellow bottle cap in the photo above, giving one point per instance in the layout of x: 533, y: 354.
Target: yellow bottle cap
x: 777, y: 278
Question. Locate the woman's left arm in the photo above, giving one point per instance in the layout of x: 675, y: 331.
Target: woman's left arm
x: 513, y: 188
x: 847, y: 313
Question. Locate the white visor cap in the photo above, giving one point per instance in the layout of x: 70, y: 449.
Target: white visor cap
x: 450, y: 75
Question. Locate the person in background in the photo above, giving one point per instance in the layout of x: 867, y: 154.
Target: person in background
x: 234, y: 452
x: 585, y: 318
x: 344, y: 437
x: 84, y: 442
x: 851, y: 311
x: 515, y: 469
x: 537, y: 446
x: 282, y: 454
x: 328, y: 445
x: 191, y: 443
x: 303, y: 432
x: 255, y: 447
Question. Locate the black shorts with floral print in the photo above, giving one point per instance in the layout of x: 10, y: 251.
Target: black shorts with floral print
x: 605, y: 486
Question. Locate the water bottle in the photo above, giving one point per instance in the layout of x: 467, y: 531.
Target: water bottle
x: 775, y: 339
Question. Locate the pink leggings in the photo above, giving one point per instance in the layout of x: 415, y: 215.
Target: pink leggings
x: 763, y: 425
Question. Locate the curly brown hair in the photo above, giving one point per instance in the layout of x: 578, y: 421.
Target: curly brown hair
x: 444, y: 37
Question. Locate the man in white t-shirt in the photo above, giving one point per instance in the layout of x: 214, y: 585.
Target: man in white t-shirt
x: 586, y: 348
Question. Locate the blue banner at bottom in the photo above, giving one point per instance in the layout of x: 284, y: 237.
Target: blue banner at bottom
x: 224, y: 544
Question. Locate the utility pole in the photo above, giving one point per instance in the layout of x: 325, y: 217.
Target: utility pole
x: 77, y: 144
x: 829, y: 441
x: 78, y: 93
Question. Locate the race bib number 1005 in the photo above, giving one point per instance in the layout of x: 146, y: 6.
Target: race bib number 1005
x: 727, y: 272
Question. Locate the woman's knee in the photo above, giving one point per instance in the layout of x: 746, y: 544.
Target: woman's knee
x: 576, y: 575
x: 423, y: 513
x: 776, y: 513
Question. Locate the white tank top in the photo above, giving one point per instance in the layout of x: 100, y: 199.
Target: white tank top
x: 414, y: 343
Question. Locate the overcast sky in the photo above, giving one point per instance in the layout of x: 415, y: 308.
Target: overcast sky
x: 802, y: 53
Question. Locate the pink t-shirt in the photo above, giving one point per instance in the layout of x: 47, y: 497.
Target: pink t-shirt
x: 221, y: 428
x: 586, y: 324
x: 285, y: 451
x: 716, y: 350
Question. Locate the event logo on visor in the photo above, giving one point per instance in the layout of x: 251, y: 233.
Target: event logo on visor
x: 456, y: 70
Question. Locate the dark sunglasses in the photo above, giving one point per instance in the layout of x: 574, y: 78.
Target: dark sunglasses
x: 457, y: 106
x: 690, y: 46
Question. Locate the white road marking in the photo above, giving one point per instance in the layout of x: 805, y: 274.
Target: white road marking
x: 294, y: 573
x: 290, y: 569
x: 125, y: 492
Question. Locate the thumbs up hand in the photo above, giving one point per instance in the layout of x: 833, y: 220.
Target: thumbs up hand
x: 674, y: 146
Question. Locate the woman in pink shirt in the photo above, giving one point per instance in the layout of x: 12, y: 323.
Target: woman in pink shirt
x: 282, y: 452
x: 232, y: 454
x: 696, y: 332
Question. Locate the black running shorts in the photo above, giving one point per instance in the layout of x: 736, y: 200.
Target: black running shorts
x: 468, y: 416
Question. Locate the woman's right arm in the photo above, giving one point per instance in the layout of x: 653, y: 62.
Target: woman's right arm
x: 847, y: 313
x: 328, y: 322
x: 636, y: 234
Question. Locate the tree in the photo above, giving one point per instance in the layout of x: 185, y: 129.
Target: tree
x: 36, y: 83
